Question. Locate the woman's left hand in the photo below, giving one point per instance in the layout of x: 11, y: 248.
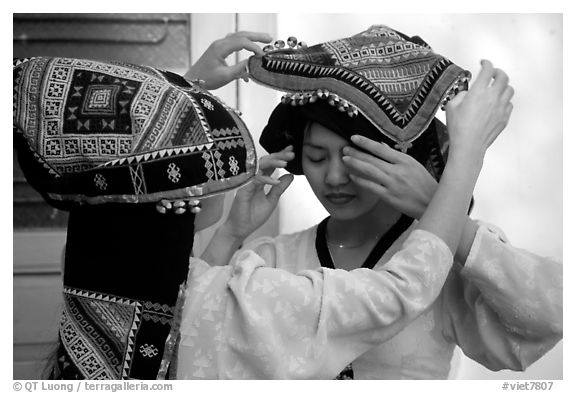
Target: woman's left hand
x: 397, y: 178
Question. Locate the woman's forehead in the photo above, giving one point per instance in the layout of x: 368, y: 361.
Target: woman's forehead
x: 320, y: 136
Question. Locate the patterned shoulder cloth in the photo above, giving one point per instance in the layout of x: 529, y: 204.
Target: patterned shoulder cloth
x: 108, y: 142
x: 379, y: 83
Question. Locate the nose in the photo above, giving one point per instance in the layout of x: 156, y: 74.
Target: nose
x: 337, y: 173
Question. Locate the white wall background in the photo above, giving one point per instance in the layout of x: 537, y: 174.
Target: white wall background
x: 520, y: 187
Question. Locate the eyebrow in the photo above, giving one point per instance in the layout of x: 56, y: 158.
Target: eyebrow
x: 313, y: 146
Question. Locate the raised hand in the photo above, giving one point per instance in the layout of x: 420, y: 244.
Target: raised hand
x: 399, y: 180
x: 476, y: 117
x: 212, y: 68
x: 253, y: 205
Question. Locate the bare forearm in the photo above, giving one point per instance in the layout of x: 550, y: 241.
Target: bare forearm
x: 446, y: 214
x: 466, y: 240
x: 221, y: 248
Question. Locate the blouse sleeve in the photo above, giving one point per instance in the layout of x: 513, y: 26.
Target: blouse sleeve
x: 249, y: 321
x: 504, y: 308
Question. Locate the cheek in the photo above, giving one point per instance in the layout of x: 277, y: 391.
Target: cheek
x: 314, y: 175
x: 367, y: 198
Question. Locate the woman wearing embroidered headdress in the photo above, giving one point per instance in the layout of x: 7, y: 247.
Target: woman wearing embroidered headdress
x: 501, y: 305
x: 129, y: 150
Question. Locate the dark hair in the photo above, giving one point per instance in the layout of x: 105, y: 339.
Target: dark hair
x: 288, y: 125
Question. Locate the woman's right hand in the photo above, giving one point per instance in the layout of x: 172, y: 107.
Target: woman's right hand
x: 476, y: 117
x: 397, y: 178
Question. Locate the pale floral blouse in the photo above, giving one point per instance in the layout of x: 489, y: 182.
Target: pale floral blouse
x: 249, y: 321
x: 503, y: 308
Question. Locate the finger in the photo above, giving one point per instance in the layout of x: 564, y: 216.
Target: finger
x: 286, y: 155
x: 485, y: 76
x: 457, y: 99
x: 237, y: 70
x: 267, y: 168
x: 508, y: 93
x: 276, y: 191
x: 380, y: 150
x: 369, y: 185
x: 262, y: 179
x: 252, y: 36
x: 278, y: 156
x: 360, y: 155
x: 235, y: 44
x: 366, y: 170
x: 508, y: 111
x: 501, y: 80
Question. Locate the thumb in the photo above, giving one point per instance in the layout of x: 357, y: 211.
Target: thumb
x: 238, y: 70
x: 457, y: 100
x: 276, y: 191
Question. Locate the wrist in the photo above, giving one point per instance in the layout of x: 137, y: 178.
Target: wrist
x: 468, y: 156
x: 228, y: 234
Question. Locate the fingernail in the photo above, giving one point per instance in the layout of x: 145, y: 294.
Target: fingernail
x: 356, y: 138
x: 346, y: 150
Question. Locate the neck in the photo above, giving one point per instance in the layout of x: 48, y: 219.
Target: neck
x: 363, y: 229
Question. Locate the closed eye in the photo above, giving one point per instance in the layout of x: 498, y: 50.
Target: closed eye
x: 315, y: 159
x: 314, y: 154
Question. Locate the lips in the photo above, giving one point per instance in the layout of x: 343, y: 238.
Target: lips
x: 339, y: 198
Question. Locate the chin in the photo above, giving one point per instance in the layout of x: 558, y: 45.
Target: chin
x: 344, y: 212
x: 352, y: 211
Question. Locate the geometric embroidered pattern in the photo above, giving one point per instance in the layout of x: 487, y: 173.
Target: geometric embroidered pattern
x: 233, y: 162
x: 148, y: 350
x: 138, y: 179
x: 398, y: 83
x: 75, y: 116
x: 100, y: 181
x: 99, y: 331
x: 173, y: 173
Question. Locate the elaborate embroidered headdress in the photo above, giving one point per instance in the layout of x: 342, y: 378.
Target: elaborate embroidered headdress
x: 383, y: 84
x: 95, y: 132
